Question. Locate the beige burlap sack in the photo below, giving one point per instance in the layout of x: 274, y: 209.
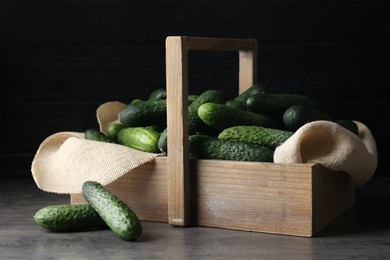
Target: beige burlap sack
x: 334, y: 147
x: 65, y: 160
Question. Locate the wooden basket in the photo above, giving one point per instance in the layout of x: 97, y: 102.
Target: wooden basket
x: 291, y: 199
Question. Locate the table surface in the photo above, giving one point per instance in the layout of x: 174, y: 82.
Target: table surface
x: 362, y: 232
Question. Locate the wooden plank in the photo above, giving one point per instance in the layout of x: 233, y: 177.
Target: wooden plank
x: 258, y: 197
x: 68, y: 23
x: 177, y: 48
x: 333, y: 193
x: 177, y: 125
x: 291, y: 199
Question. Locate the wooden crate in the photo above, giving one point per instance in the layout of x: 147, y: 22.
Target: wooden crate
x: 291, y: 199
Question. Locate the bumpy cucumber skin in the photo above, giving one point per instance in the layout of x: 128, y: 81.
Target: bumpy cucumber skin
x: 158, y: 94
x: 221, y: 116
x: 69, y: 218
x: 140, y: 138
x: 194, y: 122
x: 96, y: 135
x: 116, y: 214
x: 144, y: 113
x: 208, y: 147
x: 113, y: 130
x: 276, y: 104
x: 298, y: 115
x: 269, y: 137
x: 240, y: 100
x: 163, y: 141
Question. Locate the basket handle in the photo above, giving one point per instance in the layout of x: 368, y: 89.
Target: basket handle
x: 177, y: 48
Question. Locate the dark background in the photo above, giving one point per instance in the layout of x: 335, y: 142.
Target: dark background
x: 59, y: 60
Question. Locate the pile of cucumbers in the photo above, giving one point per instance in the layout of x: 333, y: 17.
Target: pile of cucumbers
x: 246, y: 128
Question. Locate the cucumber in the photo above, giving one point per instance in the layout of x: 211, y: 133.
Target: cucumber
x: 140, y: 138
x: 348, y: 124
x: 236, y: 104
x: 221, y: 116
x: 191, y: 98
x: 163, y: 141
x: 298, y: 115
x: 276, y: 104
x: 69, y: 218
x: 119, y: 217
x: 113, y: 129
x: 194, y: 122
x: 240, y: 100
x: 96, y: 135
x: 269, y: 137
x: 209, y: 147
x: 144, y: 113
x: 158, y: 94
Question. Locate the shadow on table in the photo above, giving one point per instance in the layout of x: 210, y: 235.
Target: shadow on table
x: 371, y: 212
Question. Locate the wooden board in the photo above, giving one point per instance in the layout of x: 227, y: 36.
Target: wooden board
x: 291, y: 199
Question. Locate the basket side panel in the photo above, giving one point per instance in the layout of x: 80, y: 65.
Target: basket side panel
x: 262, y: 197
x: 144, y: 190
x: 333, y: 193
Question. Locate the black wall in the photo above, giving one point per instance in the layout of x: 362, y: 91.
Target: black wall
x: 59, y: 60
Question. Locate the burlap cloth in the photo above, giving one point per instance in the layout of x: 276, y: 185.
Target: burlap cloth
x: 65, y: 160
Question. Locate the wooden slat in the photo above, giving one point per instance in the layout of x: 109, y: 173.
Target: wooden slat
x: 177, y: 114
x: 293, y: 199
x: 177, y: 48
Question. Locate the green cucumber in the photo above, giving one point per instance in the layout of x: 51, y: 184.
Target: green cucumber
x: 158, y: 94
x: 195, y: 124
x: 221, y: 116
x: 69, y: 218
x: 209, y: 147
x: 348, y: 124
x: 240, y: 100
x: 96, y: 135
x: 140, y: 138
x: 144, y: 113
x: 298, y: 115
x: 163, y: 141
x: 113, y: 129
x: 119, y: 217
x: 191, y: 98
x: 276, y: 104
x: 269, y: 137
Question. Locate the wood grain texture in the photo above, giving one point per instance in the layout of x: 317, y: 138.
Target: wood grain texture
x: 290, y: 199
x: 59, y: 53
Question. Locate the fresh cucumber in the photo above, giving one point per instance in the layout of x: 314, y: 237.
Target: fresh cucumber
x: 119, y: 217
x: 113, y: 129
x: 221, y: 116
x: 158, y: 94
x: 69, y: 218
x: 140, y: 138
x: 209, y: 147
x: 240, y: 100
x: 298, y: 115
x: 144, y: 113
x: 348, y: 124
x: 96, y: 135
x: 276, y: 104
x: 269, y: 137
x: 195, y: 124
x: 163, y: 141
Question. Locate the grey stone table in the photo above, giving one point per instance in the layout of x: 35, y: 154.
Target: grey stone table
x: 363, y: 232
